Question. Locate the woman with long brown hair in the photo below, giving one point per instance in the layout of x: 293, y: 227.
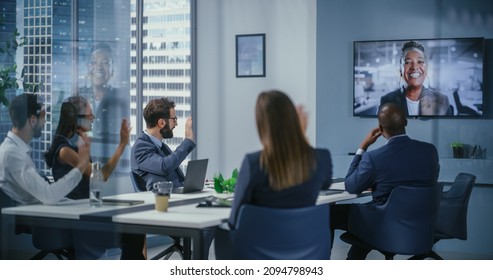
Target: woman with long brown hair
x: 287, y: 172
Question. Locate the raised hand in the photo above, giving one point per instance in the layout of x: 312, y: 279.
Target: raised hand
x: 188, y: 129
x: 125, y: 130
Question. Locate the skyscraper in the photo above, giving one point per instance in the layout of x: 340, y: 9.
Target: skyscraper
x: 60, y: 36
x: 166, y: 58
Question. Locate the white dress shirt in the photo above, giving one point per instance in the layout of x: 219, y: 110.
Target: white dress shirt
x: 20, y: 180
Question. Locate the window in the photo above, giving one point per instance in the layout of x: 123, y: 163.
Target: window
x: 48, y: 26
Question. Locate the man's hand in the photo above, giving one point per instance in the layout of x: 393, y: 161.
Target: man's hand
x: 370, y: 138
x: 188, y: 129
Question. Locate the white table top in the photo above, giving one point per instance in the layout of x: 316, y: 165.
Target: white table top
x: 73, y: 209
x: 188, y: 216
x: 325, y: 199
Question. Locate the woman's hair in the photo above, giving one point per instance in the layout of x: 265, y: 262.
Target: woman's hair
x: 79, y: 102
x: 287, y: 157
x: 411, y: 46
x: 67, y: 126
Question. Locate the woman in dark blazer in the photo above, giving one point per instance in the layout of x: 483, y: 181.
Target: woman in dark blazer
x: 287, y: 172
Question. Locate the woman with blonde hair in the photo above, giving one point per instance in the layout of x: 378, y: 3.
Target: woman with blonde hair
x: 287, y: 172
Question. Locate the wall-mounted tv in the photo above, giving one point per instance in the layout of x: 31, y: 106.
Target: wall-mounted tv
x: 428, y: 77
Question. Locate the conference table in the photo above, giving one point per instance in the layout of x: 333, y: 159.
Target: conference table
x: 183, y: 219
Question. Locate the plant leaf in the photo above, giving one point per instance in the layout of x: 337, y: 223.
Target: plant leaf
x: 217, y: 185
x: 235, y: 173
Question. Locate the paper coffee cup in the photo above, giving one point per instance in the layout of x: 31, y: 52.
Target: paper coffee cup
x: 162, y: 202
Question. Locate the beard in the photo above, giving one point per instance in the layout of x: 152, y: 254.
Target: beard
x: 37, y: 130
x: 166, y: 132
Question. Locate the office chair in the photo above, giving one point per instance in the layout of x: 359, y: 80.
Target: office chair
x: 137, y: 182
x: 47, y: 240
x: 277, y: 233
x: 461, y: 109
x: 52, y: 241
x: 139, y: 186
x: 452, y: 213
x: 405, y: 224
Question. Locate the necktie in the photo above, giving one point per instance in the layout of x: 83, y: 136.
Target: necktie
x: 167, y: 151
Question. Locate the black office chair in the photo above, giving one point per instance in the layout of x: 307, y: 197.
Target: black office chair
x: 277, y: 233
x: 452, y: 214
x: 176, y: 247
x: 461, y: 109
x: 52, y: 241
x: 47, y: 240
x: 137, y: 182
x: 405, y: 224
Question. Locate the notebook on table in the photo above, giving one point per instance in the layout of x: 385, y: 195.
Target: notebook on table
x: 195, y: 177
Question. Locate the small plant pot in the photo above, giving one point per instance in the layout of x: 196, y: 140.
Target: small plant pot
x: 458, y: 152
x: 224, y: 195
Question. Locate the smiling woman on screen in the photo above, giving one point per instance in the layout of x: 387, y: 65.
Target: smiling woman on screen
x: 413, y: 96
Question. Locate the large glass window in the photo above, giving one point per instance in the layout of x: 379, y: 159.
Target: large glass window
x: 89, y: 48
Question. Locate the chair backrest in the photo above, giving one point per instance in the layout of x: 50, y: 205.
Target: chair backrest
x: 282, y: 233
x: 405, y: 224
x: 452, y: 214
x: 137, y: 182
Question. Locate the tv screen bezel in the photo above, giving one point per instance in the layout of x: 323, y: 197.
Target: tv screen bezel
x: 425, y: 42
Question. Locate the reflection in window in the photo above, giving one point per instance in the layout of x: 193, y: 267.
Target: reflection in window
x: 58, y: 58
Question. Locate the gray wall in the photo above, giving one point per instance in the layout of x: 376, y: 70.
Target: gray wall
x: 339, y: 23
x: 309, y: 55
x: 225, y: 110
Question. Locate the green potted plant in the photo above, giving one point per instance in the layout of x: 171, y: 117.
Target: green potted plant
x: 457, y: 149
x: 8, y: 74
x: 225, y: 187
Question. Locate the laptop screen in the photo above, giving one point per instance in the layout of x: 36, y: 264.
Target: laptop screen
x: 195, y: 177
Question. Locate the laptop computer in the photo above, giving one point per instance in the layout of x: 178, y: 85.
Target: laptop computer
x: 195, y: 177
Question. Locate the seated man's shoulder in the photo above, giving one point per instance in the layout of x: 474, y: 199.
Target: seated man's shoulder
x: 141, y: 142
x: 424, y: 144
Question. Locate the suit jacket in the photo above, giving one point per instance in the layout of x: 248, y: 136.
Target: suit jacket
x: 252, y: 185
x: 402, y: 161
x: 431, y: 102
x: 153, y: 164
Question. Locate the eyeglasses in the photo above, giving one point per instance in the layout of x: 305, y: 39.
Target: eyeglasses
x: 175, y: 119
x: 86, y: 116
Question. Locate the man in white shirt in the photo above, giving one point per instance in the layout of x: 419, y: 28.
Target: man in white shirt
x: 19, y: 178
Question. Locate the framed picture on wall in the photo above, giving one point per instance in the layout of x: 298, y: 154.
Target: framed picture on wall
x: 250, y: 55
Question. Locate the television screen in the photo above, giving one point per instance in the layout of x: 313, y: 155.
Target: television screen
x: 428, y: 77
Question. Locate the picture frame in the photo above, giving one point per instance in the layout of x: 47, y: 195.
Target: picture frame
x: 250, y: 55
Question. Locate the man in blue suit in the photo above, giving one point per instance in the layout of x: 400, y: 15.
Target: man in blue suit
x: 402, y: 161
x: 152, y: 160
